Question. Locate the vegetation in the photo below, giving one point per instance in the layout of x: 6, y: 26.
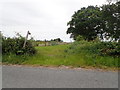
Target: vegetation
x: 0, y: 47
x: 57, y: 40
x: 51, y: 42
x: 88, y: 26
x: 96, y: 53
x: 15, y: 46
x: 78, y: 54
x: 85, y: 22
x: 111, y: 18
x: 97, y: 48
x: 93, y: 22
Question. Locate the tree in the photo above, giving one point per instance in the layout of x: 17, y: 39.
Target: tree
x: 86, y: 22
x: 93, y: 22
x: 109, y: 1
x: 57, y: 39
x: 111, y: 18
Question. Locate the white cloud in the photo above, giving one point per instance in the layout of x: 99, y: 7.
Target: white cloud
x: 45, y: 19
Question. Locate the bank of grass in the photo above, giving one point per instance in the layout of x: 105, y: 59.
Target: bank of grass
x: 75, y: 55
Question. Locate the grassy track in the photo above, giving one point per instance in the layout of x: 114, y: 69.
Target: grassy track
x: 50, y: 55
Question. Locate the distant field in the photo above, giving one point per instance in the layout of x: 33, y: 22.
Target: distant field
x: 61, y: 55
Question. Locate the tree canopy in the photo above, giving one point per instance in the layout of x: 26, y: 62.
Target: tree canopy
x: 93, y: 21
x: 111, y: 17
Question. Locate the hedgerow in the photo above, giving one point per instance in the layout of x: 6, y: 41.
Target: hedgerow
x: 15, y: 46
x: 98, y: 48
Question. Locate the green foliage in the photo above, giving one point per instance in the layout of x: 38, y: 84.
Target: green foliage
x: 57, y: 39
x: 96, y: 53
x: 79, y: 38
x: 93, y: 22
x: 14, y: 59
x: 109, y: 48
x: 75, y: 55
x: 98, y: 48
x: 111, y: 18
x: 0, y: 46
x: 15, y: 46
x: 53, y: 43
x: 85, y: 22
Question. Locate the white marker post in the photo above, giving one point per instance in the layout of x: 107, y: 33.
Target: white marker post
x: 28, y: 33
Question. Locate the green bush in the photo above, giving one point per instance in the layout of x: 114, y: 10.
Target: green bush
x: 80, y: 38
x: 98, y: 48
x: 110, y: 48
x: 15, y: 46
x: 53, y: 43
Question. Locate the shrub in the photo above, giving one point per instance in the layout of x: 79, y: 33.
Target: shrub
x: 110, y: 48
x: 15, y: 46
x: 98, y: 48
x: 79, y: 38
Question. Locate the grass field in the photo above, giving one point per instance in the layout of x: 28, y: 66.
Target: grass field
x: 63, y: 55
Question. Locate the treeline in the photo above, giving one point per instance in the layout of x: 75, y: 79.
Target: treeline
x: 96, y: 22
x: 45, y: 42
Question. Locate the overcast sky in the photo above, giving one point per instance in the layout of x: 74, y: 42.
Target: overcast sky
x: 45, y: 19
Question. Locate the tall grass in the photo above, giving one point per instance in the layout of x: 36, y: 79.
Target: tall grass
x: 91, y: 54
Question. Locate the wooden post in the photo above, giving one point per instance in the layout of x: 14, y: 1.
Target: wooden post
x: 28, y: 33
